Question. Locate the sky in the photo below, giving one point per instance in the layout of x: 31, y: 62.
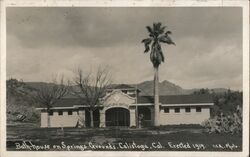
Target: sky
x: 44, y: 42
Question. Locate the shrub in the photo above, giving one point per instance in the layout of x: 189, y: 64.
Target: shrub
x: 222, y: 123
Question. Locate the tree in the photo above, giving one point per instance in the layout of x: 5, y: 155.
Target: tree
x: 157, y: 35
x: 91, y: 88
x: 48, y: 94
x: 202, y: 91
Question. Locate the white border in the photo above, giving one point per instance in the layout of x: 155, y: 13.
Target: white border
x: 132, y: 3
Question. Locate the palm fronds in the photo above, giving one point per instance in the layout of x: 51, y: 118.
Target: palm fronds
x: 157, y: 35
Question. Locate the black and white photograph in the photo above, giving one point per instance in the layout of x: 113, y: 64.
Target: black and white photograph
x: 133, y: 79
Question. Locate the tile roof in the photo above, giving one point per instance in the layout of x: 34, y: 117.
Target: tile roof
x: 170, y: 99
x: 177, y: 99
x: 68, y: 102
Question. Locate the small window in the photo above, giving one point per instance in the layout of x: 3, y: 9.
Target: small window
x: 187, y: 109
x: 131, y: 92
x: 60, y: 113
x: 177, y: 110
x: 198, y: 109
x: 166, y: 110
x: 125, y: 91
x: 51, y: 113
x: 69, y: 112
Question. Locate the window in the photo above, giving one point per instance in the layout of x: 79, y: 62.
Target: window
x: 166, y: 110
x: 69, y: 112
x: 177, y: 110
x: 198, y: 109
x: 60, y: 113
x: 187, y: 109
x: 51, y: 113
x: 131, y: 92
x: 124, y: 91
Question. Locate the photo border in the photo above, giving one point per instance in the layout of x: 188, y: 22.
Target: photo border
x: 122, y: 3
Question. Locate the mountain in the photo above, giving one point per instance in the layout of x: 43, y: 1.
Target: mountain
x: 169, y: 88
x: 165, y: 88
x: 147, y: 88
x: 37, y: 85
x: 20, y: 106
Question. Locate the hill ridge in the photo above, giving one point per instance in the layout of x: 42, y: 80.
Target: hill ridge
x: 165, y: 87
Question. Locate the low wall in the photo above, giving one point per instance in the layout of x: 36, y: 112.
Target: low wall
x: 183, y: 117
x: 56, y: 120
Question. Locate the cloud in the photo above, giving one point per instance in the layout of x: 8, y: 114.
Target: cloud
x: 108, y: 26
x: 43, y: 41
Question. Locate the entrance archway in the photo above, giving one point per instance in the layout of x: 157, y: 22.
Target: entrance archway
x: 117, y: 117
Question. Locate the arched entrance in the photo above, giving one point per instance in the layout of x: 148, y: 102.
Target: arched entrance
x: 117, y: 117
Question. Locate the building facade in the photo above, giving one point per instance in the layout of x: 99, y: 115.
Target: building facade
x: 123, y: 106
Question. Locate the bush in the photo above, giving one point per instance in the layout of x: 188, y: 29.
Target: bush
x: 225, y: 124
x: 22, y: 113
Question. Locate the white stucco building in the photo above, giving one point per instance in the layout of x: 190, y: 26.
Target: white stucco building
x: 123, y: 104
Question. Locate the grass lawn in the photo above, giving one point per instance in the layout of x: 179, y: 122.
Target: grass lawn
x: 24, y: 137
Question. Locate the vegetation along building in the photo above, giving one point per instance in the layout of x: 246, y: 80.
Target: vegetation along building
x: 123, y: 106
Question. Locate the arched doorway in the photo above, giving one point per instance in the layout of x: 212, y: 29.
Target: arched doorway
x: 117, y: 117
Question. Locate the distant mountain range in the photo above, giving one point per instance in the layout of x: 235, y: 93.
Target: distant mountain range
x: 146, y: 87
x: 169, y: 88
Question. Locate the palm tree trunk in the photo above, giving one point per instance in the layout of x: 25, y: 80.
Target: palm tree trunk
x: 156, y: 97
x: 91, y: 119
x: 48, y: 119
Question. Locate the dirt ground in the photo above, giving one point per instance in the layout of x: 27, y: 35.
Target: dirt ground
x: 29, y: 137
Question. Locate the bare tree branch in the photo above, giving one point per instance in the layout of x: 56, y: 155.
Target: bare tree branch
x: 91, y: 87
x: 48, y: 94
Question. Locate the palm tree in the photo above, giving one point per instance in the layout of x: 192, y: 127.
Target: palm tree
x: 157, y: 35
